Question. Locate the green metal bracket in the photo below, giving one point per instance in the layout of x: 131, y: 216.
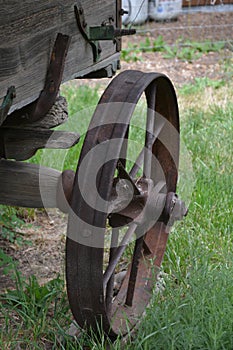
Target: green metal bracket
x: 82, y: 25
x: 6, y: 104
x: 94, y: 34
x: 101, y: 33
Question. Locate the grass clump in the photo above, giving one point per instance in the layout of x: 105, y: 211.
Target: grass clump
x: 200, y: 84
x: 193, y: 314
x: 196, y: 309
x: 10, y: 224
x: 184, y: 50
x: 30, y: 314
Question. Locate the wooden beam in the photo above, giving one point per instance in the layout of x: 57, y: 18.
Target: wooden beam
x: 22, y: 144
x: 28, y: 185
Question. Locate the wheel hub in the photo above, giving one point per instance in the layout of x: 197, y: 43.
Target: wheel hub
x: 149, y: 204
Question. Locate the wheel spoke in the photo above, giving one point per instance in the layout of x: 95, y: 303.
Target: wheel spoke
x: 118, y: 253
x: 158, y: 126
x: 137, y: 165
x: 123, y: 153
x: 149, y: 140
x: 124, y: 175
x: 134, y: 271
x: 110, y: 284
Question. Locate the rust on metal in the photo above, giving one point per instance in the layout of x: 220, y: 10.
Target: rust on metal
x: 40, y: 107
x: 7, y: 102
x: 64, y: 190
x: 82, y: 26
x: 53, y: 78
x: 4, y: 109
x: 89, y: 289
x: 105, y: 31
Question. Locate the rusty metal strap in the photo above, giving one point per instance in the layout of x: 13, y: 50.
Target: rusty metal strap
x: 38, y: 109
x: 53, y: 78
x: 6, y: 104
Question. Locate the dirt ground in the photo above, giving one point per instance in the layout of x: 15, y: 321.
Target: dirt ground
x: 197, y: 27
x: 44, y: 257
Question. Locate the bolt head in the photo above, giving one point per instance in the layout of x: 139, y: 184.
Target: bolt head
x: 123, y: 12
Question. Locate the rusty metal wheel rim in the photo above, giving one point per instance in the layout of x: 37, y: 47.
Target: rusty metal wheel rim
x: 84, y: 263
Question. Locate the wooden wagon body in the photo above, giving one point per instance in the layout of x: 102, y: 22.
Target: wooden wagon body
x: 28, y: 30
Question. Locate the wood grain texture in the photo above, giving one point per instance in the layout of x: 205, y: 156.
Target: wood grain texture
x: 28, y: 185
x: 22, y: 144
x: 27, y: 34
x: 56, y: 116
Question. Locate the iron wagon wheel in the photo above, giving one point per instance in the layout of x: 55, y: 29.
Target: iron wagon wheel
x: 112, y: 200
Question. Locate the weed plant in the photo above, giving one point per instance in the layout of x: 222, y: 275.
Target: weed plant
x: 185, y: 50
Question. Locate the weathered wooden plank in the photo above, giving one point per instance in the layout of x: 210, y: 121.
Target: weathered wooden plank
x: 27, y: 33
x: 28, y: 185
x: 33, y: 186
x: 22, y: 144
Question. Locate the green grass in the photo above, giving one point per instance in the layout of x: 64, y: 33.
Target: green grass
x: 196, y: 309
x: 200, y: 84
x: 185, y: 50
x: 82, y: 102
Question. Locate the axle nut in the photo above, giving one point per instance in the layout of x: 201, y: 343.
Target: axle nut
x: 175, y: 208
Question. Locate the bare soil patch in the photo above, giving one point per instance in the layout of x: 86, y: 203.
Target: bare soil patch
x: 196, y: 27
x: 43, y: 252
x: 199, y: 26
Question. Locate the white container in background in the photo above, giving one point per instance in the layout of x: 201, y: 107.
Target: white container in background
x: 137, y: 11
x: 160, y: 10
